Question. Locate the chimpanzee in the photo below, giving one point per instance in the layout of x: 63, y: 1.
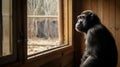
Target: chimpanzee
x: 100, y: 48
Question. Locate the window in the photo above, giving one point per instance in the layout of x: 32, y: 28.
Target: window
x: 44, y: 30
x: 5, y: 26
x: 7, y: 47
x: 43, y: 25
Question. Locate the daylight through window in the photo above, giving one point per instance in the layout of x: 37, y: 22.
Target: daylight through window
x: 42, y: 25
x: 6, y: 28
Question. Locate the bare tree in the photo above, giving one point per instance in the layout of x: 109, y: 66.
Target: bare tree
x: 40, y: 7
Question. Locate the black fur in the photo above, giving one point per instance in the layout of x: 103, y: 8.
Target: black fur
x: 100, y: 45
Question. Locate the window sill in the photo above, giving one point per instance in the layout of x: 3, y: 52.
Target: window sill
x: 39, y: 52
x: 48, y: 56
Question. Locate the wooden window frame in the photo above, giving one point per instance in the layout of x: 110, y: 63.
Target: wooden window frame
x: 65, y: 26
x: 66, y: 36
x: 12, y: 57
x: 65, y: 22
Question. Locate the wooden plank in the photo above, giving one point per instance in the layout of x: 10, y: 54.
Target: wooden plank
x: 70, y: 65
x: 99, y: 12
x: 118, y: 29
x: 71, y: 28
x: 106, y: 13
x: 86, y: 5
x: 112, y: 17
x: 94, y: 5
x: 61, y: 27
x: 66, y: 59
x: 66, y: 21
x: 54, y: 63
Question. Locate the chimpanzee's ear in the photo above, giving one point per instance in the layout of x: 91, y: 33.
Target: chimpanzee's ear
x: 92, y: 15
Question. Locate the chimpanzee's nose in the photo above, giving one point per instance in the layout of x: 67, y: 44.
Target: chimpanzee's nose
x: 77, y: 25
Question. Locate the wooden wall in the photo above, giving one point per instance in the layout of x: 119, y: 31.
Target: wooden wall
x: 109, y: 13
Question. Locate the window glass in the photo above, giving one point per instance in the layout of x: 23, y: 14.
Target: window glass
x: 42, y: 25
x: 6, y: 19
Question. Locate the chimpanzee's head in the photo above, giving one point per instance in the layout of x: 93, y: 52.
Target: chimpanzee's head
x: 86, y: 20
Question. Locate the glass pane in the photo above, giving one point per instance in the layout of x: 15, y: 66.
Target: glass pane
x: 42, y: 25
x: 6, y: 27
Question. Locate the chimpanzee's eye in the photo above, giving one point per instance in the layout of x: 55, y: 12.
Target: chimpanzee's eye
x: 82, y: 17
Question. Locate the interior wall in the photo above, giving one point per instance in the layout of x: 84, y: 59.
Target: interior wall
x: 108, y: 12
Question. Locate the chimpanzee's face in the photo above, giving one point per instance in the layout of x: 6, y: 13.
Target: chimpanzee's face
x: 83, y: 21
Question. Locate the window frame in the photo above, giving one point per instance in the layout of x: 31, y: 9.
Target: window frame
x: 12, y: 57
x: 64, y: 27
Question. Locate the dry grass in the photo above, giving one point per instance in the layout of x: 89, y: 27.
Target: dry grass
x: 36, y: 45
